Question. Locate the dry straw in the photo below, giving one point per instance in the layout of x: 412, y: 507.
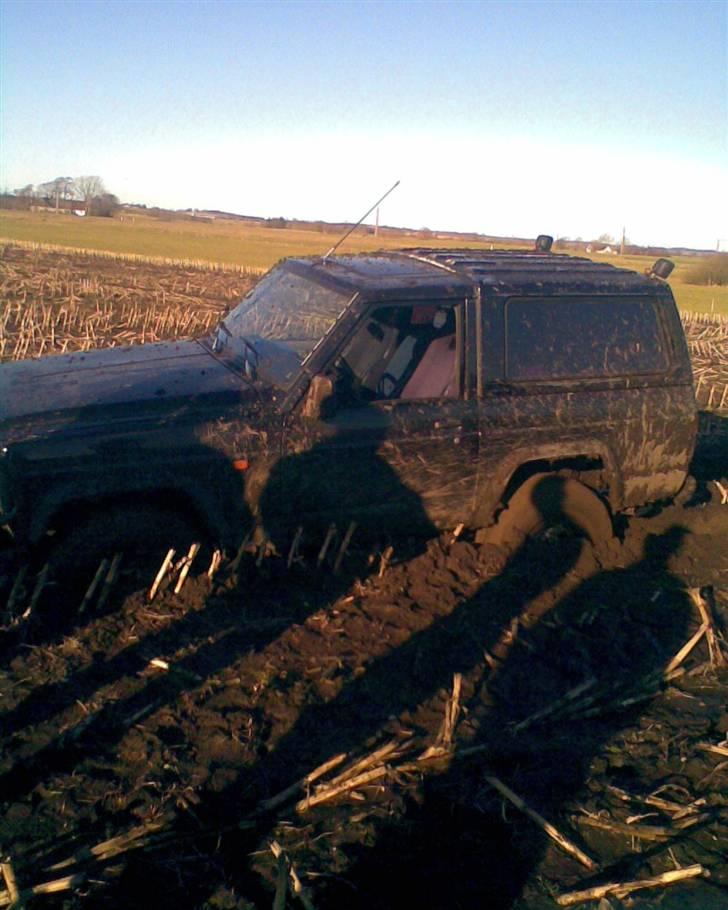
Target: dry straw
x: 51, y: 303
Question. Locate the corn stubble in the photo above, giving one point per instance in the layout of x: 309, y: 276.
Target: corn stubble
x: 53, y: 302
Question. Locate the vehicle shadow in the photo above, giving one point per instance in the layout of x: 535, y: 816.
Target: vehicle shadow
x: 456, y: 844
x: 710, y: 460
x: 240, y: 617
x: 401, y: 687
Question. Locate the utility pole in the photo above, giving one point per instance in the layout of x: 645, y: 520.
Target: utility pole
x: 624, y: 240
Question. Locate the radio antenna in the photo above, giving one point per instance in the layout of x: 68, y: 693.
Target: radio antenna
x: 338, y: 243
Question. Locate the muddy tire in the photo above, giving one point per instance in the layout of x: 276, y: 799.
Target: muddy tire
x: 143, y: 534
x: 548, y: 500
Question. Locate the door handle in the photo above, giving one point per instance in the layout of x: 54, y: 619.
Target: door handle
x: 448, y: 425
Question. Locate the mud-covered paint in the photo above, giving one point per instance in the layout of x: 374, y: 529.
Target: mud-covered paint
x: 117, y: 423
x: 404, y: 462
x: 177, y: 420
x: 643, y: 438
x: 90, y: 383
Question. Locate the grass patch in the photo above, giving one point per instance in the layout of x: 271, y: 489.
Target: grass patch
x: 709, y: 271
x: 696, y: 299
x: 198, y: 264
x: 254, y: 246
x: 688, y: 296
x: 221, y: 241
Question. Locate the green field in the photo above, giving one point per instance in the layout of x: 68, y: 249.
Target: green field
x: 225, y: 241
x: 259, y: 246
x: 694, y: 297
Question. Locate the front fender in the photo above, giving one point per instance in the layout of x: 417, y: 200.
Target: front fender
x: 219, y: 512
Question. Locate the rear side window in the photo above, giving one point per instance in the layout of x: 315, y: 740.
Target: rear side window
x: 552, y: 338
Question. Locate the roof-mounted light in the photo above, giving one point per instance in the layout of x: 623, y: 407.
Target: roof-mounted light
x: 661, y: 269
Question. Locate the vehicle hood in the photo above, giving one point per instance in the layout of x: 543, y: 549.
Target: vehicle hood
x: 109, y: 384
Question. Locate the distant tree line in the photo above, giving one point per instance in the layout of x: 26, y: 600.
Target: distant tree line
x: 712, y: 270
x: 87, y: 194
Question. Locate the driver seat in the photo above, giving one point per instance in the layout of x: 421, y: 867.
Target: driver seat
x: 434, y: 376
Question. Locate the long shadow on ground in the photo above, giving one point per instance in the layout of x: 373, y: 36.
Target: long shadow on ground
x: 609, y: 625
x: 447, y: 847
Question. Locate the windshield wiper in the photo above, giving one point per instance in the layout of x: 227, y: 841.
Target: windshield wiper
x: 250, y: 365
x: 219, y: 342
x: 224, y: 337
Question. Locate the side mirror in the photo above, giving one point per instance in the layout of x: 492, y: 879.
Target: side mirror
x: 319, y: 392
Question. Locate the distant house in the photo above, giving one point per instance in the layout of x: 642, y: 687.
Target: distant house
x: 207, y: 217
x: 68, y: 206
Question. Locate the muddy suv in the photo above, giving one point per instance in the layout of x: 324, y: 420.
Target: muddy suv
x: 415, y: 390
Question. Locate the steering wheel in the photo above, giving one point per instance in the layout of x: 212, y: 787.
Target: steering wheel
x: 348, y: 386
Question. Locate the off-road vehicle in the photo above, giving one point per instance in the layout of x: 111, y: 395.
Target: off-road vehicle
x: 416, y: 390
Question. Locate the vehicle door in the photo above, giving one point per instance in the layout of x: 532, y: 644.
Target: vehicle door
x: 394, y: 443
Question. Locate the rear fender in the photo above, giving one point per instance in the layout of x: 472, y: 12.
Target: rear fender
x: 493, y: 486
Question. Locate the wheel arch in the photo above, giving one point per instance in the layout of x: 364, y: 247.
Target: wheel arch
x: 66, y: 508
x: 589, y: 461
x: 547, y: 499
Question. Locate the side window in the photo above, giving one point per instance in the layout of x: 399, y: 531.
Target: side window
x: 405, y: 352
x: 553, y: 338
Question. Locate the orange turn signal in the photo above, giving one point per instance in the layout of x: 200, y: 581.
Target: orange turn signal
x: 241, y: 464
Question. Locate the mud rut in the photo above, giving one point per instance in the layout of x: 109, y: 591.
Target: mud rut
x: 178, y: 723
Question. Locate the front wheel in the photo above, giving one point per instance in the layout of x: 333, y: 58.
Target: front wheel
x: 143, y: 534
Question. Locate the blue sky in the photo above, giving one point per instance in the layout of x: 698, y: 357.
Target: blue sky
x: 570, y: 118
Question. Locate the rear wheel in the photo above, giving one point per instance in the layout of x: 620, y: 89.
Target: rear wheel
x: 548, y: 501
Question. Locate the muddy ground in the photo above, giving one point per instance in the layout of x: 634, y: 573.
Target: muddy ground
x: 181, y: 717
x: 173, y: 722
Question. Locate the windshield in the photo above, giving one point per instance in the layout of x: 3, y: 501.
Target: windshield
x: 287, y: 309
x: 277, y: 325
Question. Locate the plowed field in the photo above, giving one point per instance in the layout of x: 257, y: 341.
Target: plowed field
x: 363, y: 724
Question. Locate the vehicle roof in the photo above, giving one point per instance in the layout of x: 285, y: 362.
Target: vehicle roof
x: 503, y: 271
